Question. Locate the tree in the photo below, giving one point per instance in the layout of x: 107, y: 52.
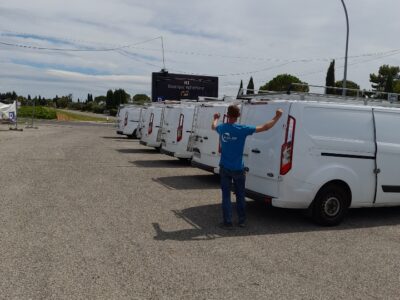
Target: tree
x: 100, y: 99
x: 349, y: 85
x: 240, y: 91
x: 141, y: 98
x: 282, y: 82
x: 250, y: 87
x: 389, y: 84
x: 379, y: 82
x: 330, y: 78
x: 120, y: 97
x: 109, y: 99
x: 89, y: 98
x: 396, y: 87
x: 63, y: 102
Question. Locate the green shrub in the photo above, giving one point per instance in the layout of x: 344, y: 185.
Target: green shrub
x: 41, y: 112
x: 113, y: 112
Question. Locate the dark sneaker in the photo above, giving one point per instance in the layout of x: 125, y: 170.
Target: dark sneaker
x: 226, y: 226
x: 242, y: 225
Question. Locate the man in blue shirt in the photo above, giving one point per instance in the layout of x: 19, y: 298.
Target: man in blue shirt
x: 232, y: 138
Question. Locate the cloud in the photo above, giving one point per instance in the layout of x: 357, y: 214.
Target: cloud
x: 237, y: 39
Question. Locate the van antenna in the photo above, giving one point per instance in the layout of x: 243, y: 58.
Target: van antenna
x: 163, y: 56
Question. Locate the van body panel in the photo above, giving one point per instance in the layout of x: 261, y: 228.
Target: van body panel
x: 388, y: 156
x: 206, y: 143
x: 335, y: 142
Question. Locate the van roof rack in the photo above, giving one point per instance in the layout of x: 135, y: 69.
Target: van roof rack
x: 356, y: 97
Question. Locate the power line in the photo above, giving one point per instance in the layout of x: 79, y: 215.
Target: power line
x: 358, y: 62
x: 189, y: 53
x: 133, y: 56
x: 75, y: 49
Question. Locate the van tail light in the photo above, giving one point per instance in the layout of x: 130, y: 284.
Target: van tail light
x: 287, y: 147
x: 179, y: 132
x: 150, y: 130
x: 219, y: 143
x: 126, y: 119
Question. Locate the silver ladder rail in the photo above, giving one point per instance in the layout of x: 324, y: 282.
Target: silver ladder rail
x: 193, y: 137
x: 160, y: 130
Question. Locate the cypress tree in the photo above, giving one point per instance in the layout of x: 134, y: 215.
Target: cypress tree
x: 250, y: 87
x: 330, y: 78
x: 240, y: 91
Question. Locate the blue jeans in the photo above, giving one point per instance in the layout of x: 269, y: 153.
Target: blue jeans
x: 238, y: 178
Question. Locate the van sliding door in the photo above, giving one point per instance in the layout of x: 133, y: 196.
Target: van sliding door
x: 388, y: 156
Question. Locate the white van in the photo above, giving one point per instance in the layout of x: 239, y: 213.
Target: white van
x: 204, y: 142
x: 322, y: 156
x: 121, y: 118
x: 131, y: 121
x: 177, y: 123
x: 151, y: 127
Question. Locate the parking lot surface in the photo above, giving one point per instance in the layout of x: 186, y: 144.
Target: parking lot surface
x: 88, y: 214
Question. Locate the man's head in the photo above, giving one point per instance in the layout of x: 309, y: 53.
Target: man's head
x: 233, y: 113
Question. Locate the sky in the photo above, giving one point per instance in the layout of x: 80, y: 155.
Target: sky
x: 51, y: 47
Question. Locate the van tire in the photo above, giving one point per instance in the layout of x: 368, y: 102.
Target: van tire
x: 330, y: 205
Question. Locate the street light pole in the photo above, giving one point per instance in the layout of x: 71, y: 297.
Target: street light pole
x: 347, y: 48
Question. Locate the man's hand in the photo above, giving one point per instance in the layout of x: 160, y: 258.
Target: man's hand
x: 279, y: 113
x: 215, y: 121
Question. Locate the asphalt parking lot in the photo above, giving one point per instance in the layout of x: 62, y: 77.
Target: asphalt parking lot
x: 88, y: 214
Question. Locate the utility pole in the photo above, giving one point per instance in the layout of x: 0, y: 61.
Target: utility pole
x: 347, y: 48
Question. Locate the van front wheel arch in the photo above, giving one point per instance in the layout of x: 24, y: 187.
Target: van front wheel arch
x: 331, y: 204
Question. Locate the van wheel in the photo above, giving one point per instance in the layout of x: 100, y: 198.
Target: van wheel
x: 330, y: 205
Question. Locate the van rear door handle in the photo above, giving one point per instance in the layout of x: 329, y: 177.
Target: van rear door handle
x: 205, y: 137
x: 255, y: 151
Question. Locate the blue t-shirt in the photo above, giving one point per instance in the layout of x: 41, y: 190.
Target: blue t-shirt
x: 232, y: 138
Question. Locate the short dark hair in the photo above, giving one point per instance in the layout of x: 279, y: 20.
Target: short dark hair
x: 233, y: 111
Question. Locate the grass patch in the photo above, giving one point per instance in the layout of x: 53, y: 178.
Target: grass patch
x: 41, y: 112
x: 70, y: 116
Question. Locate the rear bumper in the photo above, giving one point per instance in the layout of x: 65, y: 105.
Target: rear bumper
x: 202, y: 166
x: 120, y: 132
x: 257, y: 196
x: 170, y: 153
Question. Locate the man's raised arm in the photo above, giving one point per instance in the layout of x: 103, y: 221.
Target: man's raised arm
x: 215, y: 121
x: 271, y: 122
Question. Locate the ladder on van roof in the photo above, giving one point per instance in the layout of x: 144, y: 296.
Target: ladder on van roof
x: 360, y: 97
x: 160, y: 130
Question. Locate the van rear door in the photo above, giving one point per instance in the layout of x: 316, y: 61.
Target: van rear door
x: 262, y: 155
x: 388, y: 156
x: 171, y: 119
x: 208, y: 138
